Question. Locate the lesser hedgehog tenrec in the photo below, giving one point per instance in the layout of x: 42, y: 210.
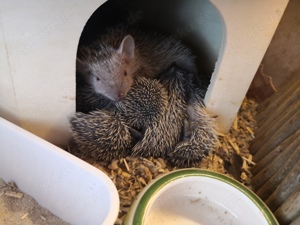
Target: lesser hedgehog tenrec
x: 144, y: 104
x: 101, y: 135
x: 109, y: 64
x: 199, y: 137
x: 162, y: 136
x: 111, y: 133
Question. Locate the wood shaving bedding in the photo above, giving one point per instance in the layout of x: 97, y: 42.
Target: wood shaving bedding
x: 231, y: 157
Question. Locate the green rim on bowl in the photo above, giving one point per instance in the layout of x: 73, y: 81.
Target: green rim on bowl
x: 139, y: 214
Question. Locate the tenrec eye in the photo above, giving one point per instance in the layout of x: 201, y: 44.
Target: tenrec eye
x: 125, y: 73
x: 97, y: 78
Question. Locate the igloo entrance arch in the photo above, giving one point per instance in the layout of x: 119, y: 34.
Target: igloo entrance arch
x: 40, y: 41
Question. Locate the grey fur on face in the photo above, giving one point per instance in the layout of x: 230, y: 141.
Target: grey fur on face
x: 87, y: 100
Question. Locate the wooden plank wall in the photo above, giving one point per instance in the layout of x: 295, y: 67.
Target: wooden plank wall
x: 276, y: 150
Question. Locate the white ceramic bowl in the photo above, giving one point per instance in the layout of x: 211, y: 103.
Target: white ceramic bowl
x: 194, y: 196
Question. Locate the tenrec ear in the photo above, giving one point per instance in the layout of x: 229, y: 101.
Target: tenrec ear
x: 126, y: 48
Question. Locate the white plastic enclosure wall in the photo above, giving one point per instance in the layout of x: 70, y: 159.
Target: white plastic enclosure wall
x: 67, y: 186
x: 39, y: 42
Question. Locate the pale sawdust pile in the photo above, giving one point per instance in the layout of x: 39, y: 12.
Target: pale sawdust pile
x: 17, y: 208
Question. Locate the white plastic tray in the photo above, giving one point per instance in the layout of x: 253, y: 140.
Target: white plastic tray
x: 69, y: 187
